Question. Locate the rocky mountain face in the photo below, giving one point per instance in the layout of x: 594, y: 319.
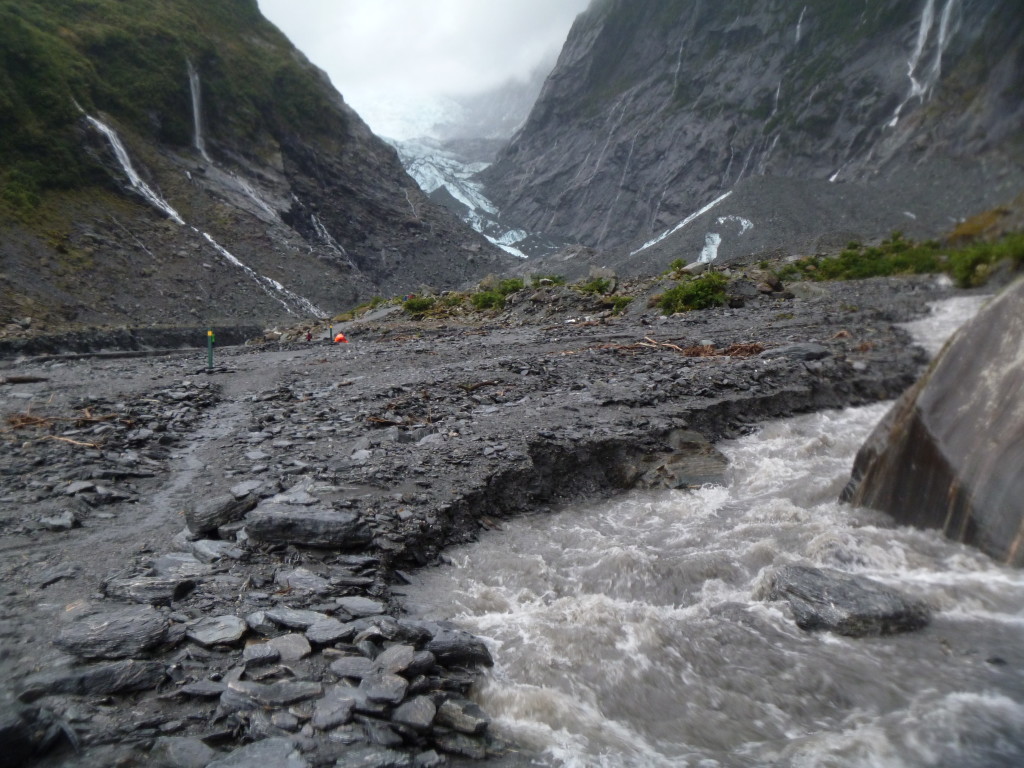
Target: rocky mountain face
x: 909, y: 113
x: 184, y: 164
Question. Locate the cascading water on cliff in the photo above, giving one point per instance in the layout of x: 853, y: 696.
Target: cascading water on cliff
x: 288, y: 299
x: 197, y: 111
x: 635, y: 633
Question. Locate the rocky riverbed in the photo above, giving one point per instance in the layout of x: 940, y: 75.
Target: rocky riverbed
x: 205, y: 567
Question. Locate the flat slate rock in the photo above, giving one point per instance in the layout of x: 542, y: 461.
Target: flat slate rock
x: 846, y: 604
x: 151, y: 590
x: 276, y: 752
x: 291, y: 647
x: 334, y: 709
x: 302, y: 580
x: 258, y: 654
x: 353, y: 666
x: 389, y: 689
x: 360, y: 606
x: 312, y: 527
x: 328, y: 632
x: 295, y: 618
x: 113, y: 634
x: 180, y: 752
x: 281, y: 694
x: 209, y: 514
x: 374, y: 757
x: 417, y: 713
x: 217, y: 630
x: 96, y: 680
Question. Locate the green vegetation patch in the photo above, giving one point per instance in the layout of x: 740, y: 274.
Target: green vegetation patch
x: 418, y: 305
x: 969, y: 265
x: 707, y: 290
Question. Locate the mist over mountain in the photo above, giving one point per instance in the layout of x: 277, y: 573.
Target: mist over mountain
x: 184, y: 163
x: 912, y: 111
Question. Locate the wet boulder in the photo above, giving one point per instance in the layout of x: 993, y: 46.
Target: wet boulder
x: 113, y: 634
x: 948, y: 455
x: 308, y: 526
x: 848, y: 605
x: 95, y: 680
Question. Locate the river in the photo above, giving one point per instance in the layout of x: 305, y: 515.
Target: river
x: 634, y: 632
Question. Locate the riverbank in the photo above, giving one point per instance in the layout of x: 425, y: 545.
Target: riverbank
x: 417, y: 435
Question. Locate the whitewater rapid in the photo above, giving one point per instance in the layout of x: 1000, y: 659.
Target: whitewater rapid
x: 635, y: 632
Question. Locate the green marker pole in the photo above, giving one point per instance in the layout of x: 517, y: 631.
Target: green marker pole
x: 209, y: 349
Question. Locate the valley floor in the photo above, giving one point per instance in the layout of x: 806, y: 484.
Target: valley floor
x: 421, y: 433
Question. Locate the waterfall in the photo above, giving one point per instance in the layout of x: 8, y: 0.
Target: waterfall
x: 799, y: 23
x: 710, y: 250
x: 266, y: 283
x: 197, y: 111
x: 681, y: 224
x: 136, y: 181
x: 922, y: 84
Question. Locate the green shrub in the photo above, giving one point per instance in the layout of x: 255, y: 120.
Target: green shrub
x: 418, y: 305
x: 487, y: 300
x: 510, y: 285
x: 452, y: 300
x: 702, y: 292
x: 619, y: 304
x: 595, y: 285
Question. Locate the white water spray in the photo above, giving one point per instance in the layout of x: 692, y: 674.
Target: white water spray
x: 799, y: 23
x: 197, y: 111
x: 710, y: 250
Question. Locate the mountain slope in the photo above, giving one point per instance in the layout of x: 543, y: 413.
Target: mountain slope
x: 268, y: 198
x: 658, y: 107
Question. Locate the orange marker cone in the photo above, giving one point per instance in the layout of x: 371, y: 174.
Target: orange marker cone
x: 340, y: 339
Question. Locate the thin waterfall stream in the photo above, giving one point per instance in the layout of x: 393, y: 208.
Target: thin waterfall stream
x: 634, y: 632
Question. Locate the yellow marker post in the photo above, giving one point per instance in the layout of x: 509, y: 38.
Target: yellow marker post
x: 209, y: 349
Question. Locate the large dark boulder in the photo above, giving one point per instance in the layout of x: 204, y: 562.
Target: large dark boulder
x: 949, y: 454
x: 843, y: 603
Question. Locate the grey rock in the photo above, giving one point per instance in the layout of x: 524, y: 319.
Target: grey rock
x: 180, y: 752
x: 385, y: 688
x: 217, y: 630
x: 360, y: 606
x: 180, y: 565
x: 295, y: 618
x: 302, y: 580
x: 353, y: 666
x: 212, y: 550
x: 259, y: 622
x: 95, y: 680
x: 153, y: 590
x: 373, y: 757
x: 846, y: 604
x: 275, y: 753
x: 456, y: 647
x: 806, y: 351
x: 461, y: 744
x: 258, y: 654
x: 64, y: 520
x: 208, y: 514
x: 279, y: 694
x: 314, y: 527
x: 396, y: 659
x: 113, y: 634
x: 417, y: 713
x: 328, y: 631
x: 334, y: 709
x: 463, y: 716
x: 292, y: 647
x: 204, y: 689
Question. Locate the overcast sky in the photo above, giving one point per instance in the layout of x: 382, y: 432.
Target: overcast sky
x: 404, y: 52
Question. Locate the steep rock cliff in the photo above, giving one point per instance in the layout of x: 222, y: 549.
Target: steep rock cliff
x: 657, y: 108
x: 182, y: 162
